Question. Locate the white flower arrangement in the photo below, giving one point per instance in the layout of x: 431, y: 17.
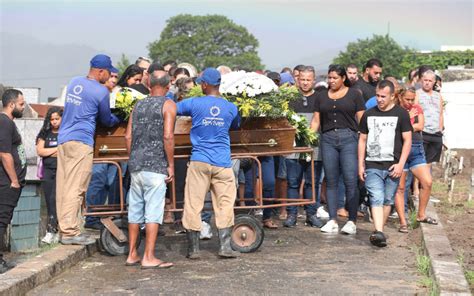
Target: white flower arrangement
x: 250, y: 83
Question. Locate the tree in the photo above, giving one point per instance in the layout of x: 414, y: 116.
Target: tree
x: 440, y: 60
x: 206, y: 41
x: 123, y: 64
x: 381, y: 47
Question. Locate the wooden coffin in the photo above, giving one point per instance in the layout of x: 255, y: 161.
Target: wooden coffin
x: 255, y: 135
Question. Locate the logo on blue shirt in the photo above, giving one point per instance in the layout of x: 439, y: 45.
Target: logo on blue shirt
x: 215, y: 111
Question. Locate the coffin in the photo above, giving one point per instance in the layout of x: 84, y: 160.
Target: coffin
x: 255, y: 135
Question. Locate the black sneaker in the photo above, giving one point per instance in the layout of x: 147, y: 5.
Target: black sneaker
x: 290, y: 221
x: 314, y: 221
x: 377, y: 238
x: 178, y: 227
x: 4, y: 266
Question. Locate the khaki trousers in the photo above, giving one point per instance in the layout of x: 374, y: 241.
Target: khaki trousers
x: 72, y: 179
x: 221, y: 181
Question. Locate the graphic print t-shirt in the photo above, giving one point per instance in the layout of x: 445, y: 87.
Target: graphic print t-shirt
x: 50, y: 141
x: 212, y: 117
x: 384, y: 136
x: 10, y: 142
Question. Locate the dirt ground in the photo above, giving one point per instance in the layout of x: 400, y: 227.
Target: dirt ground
x: 457, y: 216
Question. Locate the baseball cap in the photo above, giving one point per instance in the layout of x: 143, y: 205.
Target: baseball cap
x: 102, y: 61
x: 210, y: 76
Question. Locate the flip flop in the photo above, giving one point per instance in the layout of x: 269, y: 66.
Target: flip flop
x: 269, y: 224
x: 162, y: 265
x: 403, y: 229
x: 428, y: 220
x: 133, y: 263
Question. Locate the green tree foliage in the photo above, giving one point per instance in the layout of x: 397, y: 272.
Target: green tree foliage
x: 381, y: 47
x: 122, y: 64
x: 398, y: 60
x: 206, y: 41
x: 440, y: 60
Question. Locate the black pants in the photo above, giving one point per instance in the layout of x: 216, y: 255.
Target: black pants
x: 8, y: 201
x: 180, y: 172
x: 49, y: 187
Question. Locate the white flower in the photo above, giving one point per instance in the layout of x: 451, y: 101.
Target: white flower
x: 296, y: 117
x: 252, y: 83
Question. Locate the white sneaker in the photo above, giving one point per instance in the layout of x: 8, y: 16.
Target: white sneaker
x: 321, y: 213
x: 349, y: 228
x: 258, y: 213
x: 206, y: 231
x: 330, y: 227
x: 394, y: 215
x: 48, y: 238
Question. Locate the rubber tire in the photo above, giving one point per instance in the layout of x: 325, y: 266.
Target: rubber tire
x: 252, y: 222
x: 111, y: 245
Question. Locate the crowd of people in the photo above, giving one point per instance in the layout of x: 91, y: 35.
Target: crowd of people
x: 378, y: 138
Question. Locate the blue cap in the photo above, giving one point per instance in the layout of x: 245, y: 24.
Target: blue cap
x: 102, y: 61
x: 286, y: 78
x: 210, y: 76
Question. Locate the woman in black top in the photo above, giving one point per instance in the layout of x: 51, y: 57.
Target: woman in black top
x: 337, y: 112
x: 46, y: 147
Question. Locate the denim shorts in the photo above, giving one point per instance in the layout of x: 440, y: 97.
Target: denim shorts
x: 380, y: 187
x: 146, y: 199
x: 416, y: 157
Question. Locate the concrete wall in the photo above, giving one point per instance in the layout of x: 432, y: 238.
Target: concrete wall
x: 459, y: 114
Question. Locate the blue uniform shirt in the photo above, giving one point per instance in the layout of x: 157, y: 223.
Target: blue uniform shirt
x: 212, y: 118
x: 371, y: 103
x: 86, y: 100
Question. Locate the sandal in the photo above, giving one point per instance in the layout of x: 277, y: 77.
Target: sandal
x: 162, y: 265
x: 269, y: 224
x: 428, y: 220
x: 403, y: 229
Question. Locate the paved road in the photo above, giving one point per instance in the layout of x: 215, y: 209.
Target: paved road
x: 298, y: 261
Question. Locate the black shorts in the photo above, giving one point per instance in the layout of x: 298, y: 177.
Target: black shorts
x: 8, y: 201
x: 433, y: 145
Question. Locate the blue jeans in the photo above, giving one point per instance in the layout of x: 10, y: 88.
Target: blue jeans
x: 147, y: 198
x: 103, y: 184
x: 296, y: 170
x: 381, y: 187
x: 268, y: 180
x: 416, y: 157
x: 339, y: 152
x: 341, y: 193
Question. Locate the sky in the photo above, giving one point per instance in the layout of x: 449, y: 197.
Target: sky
x: 289, y: 32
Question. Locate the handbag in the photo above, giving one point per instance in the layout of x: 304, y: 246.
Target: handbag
x: 39, y: 168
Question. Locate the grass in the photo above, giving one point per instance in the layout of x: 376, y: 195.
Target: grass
x: 413, y: 223
x: 44, y: 248
x: 469, y: 274
x: 423, y: 265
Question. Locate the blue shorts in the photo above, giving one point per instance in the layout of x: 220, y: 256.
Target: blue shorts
x: 380, y: 187
x: 146, y: 198
x: 416, y: 157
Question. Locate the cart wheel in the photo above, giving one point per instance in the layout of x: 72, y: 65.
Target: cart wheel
x: 111, y: 245
x: 247, y: 234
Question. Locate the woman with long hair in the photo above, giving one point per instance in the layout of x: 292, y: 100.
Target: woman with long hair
x: 132, y: 75
x: 416, y: 162
x: 47, y: 148
x: 337, y: 112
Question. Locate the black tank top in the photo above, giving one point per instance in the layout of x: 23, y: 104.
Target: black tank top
x: 147, y: 149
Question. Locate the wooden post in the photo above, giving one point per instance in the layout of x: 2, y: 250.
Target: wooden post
x: 451, y: 189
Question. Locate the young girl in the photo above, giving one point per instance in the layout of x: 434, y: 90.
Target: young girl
x: 46, y: 147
